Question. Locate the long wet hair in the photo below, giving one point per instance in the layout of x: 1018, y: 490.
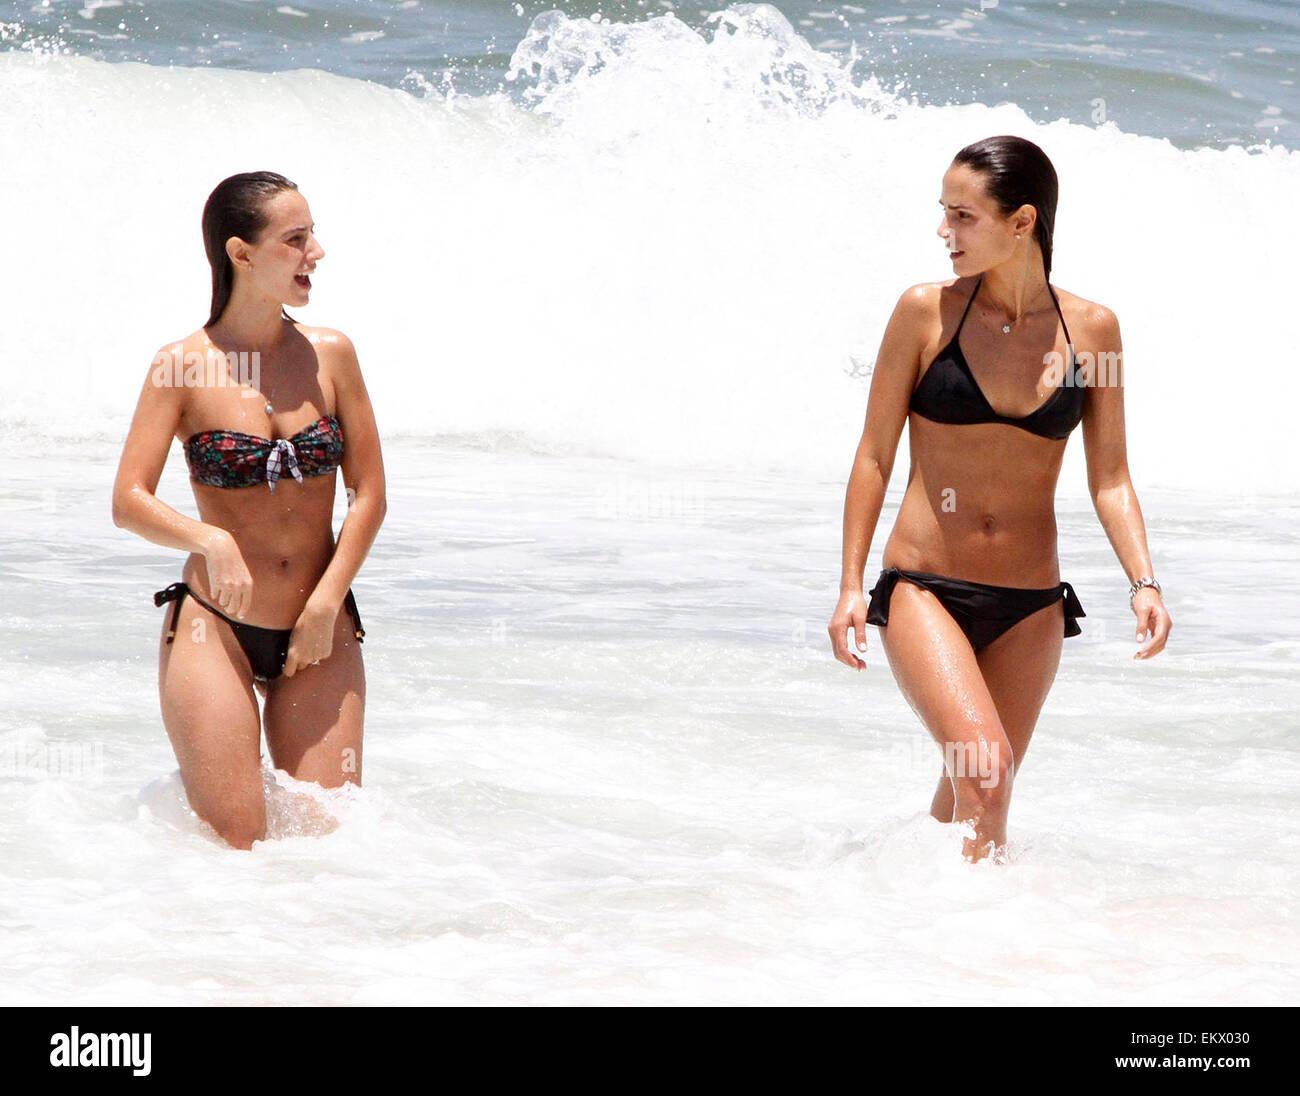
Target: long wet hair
x: 236, y: 207
x: 1017, y: 172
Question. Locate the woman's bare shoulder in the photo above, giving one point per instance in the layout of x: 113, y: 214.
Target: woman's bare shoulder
x: 922, y: 305
x: 927, y: 292
x: 172, y: 368
x: 931, y: 295
x: 1093, y: 322
x: 195, y: 340
x: 336, y: 357
x: 328, y: 339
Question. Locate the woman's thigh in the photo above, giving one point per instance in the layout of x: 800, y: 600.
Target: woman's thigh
x: 1019, y: 667
x: 206, y: 690
x: 938, y: 673
x: 314, y: 720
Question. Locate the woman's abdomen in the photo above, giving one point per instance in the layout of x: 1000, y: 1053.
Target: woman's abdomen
x: 981, y: 531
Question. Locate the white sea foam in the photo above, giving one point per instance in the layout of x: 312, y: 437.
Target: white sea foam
x: 610, y: 759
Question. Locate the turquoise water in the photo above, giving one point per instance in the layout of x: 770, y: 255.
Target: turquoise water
x: 1199, y: 72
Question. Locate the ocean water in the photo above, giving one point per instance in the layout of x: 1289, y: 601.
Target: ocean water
x: 617, y: 315
x: 609, y: 759
x: 1212, y: 72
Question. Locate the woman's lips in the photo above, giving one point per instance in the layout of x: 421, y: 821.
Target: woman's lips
x: 303, y: 280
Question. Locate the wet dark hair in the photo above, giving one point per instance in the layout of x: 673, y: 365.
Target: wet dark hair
x: 236, y: 207
x: 1017, y: 172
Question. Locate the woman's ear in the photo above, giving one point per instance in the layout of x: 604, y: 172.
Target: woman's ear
x: 237, y: 252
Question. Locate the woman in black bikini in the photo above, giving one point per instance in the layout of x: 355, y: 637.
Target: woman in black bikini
x: 970, y: 605
x: 262, y: 405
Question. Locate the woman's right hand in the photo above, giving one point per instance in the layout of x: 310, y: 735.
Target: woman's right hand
x: 229, y: 579
x: 850, y: 613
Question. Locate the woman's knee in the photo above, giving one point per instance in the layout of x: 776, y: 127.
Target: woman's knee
x: 238, y: 824
x: 982, y: 773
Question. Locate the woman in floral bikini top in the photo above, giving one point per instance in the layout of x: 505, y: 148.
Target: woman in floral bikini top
x: 265, y: 601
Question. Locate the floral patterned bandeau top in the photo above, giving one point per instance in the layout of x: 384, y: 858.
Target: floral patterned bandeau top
x: 230, y: 458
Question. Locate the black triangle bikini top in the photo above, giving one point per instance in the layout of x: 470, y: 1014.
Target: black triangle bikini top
x: 949, y: 393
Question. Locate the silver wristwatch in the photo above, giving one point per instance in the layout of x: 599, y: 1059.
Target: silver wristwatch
x: 1132, y: 590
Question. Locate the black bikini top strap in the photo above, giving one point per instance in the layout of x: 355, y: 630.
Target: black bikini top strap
x: 1069, y: 344
x: 969, y: 302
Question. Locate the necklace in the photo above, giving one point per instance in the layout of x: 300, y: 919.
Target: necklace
x: 1006, y: 325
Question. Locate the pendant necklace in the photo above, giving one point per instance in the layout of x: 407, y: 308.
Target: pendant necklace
x: 1006, y: 326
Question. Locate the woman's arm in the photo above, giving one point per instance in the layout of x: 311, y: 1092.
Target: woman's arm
x: 137, y: 509
x: 363, y: 476
x: 1109, y: 484
x: 892, y: 381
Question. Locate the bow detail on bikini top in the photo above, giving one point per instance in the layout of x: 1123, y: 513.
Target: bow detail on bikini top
x: 231, y: 458
x: 285, y: 452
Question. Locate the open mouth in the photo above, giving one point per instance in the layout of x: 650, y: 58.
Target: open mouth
x: 955, y: 254
x: 303, y: 280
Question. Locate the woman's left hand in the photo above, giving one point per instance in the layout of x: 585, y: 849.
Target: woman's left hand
x: 312, y: 639
x: 1152, y: 622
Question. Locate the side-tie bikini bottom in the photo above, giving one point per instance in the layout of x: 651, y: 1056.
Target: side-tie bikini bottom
x: 983, y: 612
x: 265, y: 648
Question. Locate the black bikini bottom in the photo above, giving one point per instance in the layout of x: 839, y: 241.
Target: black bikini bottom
x: 983, y: 612
x: 265, y: 648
